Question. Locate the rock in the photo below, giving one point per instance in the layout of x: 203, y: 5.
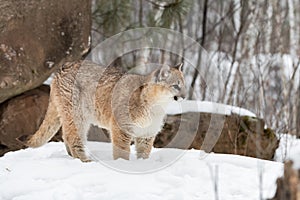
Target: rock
x: 36, y: 37
x: 22, y: 115
x: 240, y: 135
x: 98, y: 134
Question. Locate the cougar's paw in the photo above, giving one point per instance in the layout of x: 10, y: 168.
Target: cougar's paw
x: 142, y: 156
x: 86, y: 160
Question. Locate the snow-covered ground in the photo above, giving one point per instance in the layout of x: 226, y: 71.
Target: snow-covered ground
x: 49, y: 173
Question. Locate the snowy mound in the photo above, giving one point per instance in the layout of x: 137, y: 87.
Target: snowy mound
x: 49, y: 173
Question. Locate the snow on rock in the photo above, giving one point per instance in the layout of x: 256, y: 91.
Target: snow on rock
x: 206, y: 107
x: 49, y: 173
x: 49, y: 80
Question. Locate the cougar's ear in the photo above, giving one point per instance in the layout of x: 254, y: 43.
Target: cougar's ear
x: 179, y: 66
x: 163, y: 73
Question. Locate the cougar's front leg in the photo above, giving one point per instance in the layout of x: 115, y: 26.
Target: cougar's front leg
x: 73, y: 141
x: 143, y: 146
x: 121, y: 143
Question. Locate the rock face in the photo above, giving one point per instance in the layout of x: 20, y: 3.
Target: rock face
x: 36, y: 36
x: 240, y: 135
x: 22, y: 115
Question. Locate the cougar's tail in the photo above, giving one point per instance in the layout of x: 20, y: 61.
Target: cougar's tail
x: 48, y: 129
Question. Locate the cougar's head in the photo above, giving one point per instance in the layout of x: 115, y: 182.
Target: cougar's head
x: 171, y: 81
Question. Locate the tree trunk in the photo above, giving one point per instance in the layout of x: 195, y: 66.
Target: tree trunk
x: 293, y: 39
x: 298, y: 113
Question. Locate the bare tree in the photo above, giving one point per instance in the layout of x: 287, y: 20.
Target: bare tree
x: 196, y: 72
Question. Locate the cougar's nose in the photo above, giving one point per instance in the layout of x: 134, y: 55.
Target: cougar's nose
x: 179, y: 98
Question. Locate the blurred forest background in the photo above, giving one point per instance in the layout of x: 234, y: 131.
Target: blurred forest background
x: 254, y: 44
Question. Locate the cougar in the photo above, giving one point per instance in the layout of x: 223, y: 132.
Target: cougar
x: 129, y: 106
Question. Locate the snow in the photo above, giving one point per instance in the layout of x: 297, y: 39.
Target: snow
x: 49, y: 80
x: 289, y: 149
x: 49, y: 173
x: 206, y: 107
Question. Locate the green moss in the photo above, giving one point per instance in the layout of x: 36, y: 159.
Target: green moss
x: 269, y: 133
x: 242, y: 139
x: 242, y: 129
x: 33, y: 71
x: 245, y: 123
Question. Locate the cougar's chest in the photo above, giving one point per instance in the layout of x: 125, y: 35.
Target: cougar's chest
x: 150, y: 124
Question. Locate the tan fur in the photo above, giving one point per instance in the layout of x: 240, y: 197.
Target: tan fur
x: 129, y: 106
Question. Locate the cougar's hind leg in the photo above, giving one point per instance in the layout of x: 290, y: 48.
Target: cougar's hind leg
x: 143, y: 146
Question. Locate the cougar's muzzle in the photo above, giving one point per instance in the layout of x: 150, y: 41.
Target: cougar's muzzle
x: 181, y: 96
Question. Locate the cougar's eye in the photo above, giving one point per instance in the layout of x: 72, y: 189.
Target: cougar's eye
x: 176, y: 87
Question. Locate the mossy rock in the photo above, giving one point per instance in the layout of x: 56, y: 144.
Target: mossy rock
x: 242, y: 135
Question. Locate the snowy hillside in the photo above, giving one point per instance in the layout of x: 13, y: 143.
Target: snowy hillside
x: 49, y: 173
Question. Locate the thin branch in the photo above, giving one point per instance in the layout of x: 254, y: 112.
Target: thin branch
x: 164, y: 5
